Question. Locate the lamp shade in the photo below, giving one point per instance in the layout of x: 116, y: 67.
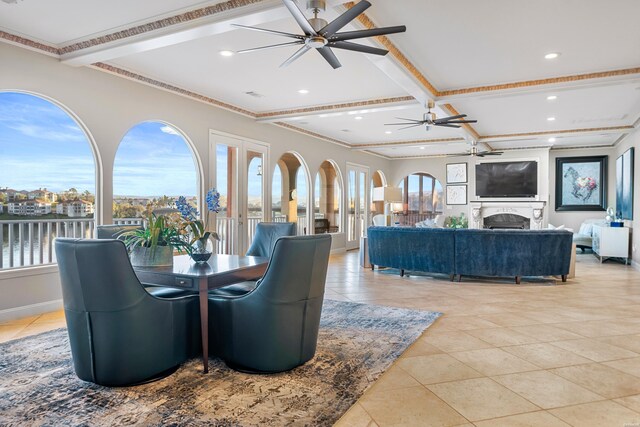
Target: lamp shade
x: 397, y: 207
x: 387, y: 194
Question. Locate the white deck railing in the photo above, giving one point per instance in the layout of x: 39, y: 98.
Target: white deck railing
x: 29, y: 242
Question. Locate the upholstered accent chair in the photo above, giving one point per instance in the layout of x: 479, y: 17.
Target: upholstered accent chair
x: 119, y: 334
x: 267, y: 233
x: 274, y: 327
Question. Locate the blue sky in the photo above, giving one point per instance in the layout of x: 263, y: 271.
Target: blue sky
x: 153, y: 159
x: 41, y: 146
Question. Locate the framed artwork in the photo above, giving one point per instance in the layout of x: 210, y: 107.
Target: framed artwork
x: 624, y: 185
x: 456, y: 194
x: 581, y: 183
x: 456, y: 173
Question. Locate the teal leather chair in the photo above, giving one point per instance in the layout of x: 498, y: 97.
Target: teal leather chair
x: 267, y: 233
x: 114, y: 231
x: 119, y: 334
x: 274, y: 327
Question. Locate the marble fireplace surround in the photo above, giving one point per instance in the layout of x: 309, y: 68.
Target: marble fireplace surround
x: 533, y: 210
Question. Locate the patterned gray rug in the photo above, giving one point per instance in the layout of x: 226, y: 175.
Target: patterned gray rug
x: 357, y: 342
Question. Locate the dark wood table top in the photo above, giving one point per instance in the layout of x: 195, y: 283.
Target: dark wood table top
x: 220, y: 270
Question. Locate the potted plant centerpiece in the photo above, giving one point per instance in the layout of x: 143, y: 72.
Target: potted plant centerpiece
x: 197, y: 239
x: 153, y: 245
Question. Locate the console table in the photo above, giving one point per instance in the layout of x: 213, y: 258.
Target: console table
x: 611, y: 242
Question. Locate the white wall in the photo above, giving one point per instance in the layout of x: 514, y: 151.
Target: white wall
x: 109, y: 106
x: 437, y: 167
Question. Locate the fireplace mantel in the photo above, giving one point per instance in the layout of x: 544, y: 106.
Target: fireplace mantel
x: 533, y: 210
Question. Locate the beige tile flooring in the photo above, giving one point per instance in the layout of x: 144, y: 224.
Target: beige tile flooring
x: 536, y: 354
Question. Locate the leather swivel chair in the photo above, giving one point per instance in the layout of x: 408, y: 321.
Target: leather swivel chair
x: 267, y: 233
x: 274, y: 327
x: 114, y: 231
x: 119, y: 334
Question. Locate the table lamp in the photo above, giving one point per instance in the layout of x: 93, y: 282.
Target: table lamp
x: 388, y: 195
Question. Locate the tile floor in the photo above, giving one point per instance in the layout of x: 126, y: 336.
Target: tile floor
x: 535, y: 354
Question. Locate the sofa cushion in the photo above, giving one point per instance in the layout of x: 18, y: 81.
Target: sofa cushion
x: 413, y: 249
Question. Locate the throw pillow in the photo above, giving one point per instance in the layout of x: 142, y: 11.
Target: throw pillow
x: 586, y: 229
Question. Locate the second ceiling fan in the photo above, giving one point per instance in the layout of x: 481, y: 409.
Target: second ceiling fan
x: 429, y: 119
x: 322, y: 35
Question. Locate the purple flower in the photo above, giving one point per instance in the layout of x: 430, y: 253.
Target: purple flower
x: 213, y: 200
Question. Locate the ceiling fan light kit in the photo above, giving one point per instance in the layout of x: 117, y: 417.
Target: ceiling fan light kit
x: 322, y: 35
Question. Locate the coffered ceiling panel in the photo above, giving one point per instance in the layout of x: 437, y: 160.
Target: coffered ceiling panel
x: 469, y: 43
x: 575, y: 108
x: 198, y: 66
x: 63, y: 21
x: 368, y: 126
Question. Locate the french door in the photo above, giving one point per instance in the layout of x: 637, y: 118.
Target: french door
x: 357, y: 202
x: 239, y: 173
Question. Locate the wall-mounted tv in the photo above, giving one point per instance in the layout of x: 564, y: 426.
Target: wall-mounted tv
x: 507, y: 179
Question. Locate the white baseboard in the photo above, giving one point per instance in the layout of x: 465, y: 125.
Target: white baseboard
x: 635, y: 265
x: 338, y: 251
x: 29, y: 310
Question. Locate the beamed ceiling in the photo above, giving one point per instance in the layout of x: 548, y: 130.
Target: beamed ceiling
x: 482, y: 58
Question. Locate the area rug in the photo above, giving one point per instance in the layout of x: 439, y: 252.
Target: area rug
x: 357, y: 342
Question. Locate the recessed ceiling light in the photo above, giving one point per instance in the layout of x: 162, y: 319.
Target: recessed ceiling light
x: 551, y: 119
x: 227, y: 53
x: 552, y: 139
x: 422, y: 148
x: 388, y: 132
x: 552, y: 97
x: 552, y: 55
x: 303, y: 91
x: 359, y: 118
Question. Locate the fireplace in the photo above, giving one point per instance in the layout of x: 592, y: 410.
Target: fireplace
x: 507, y: 221
x: 508, y: 214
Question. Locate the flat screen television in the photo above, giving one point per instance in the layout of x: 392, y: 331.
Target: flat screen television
x: 507, y: 179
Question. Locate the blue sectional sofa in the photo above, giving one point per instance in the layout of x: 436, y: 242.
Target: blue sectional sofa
x: 466, y: 252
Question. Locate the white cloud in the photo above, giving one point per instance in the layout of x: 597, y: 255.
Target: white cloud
x: 170, y: 130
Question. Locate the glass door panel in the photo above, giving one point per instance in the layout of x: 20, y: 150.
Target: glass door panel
x: 357, y: 202
x: 226, y: 182
x: 240, y: 178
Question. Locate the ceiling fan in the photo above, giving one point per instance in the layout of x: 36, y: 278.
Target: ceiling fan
x: 475, y: 153
x: 322, y: 36
x: 429, y: 119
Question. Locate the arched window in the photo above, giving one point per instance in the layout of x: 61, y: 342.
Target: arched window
x: 153, y: 166
x: 290, y: 193
x: 327, y: 199
x: 422, y: 197
x: 47, y: 179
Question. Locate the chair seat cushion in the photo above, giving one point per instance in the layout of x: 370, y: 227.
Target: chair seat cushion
x: 236, y: 289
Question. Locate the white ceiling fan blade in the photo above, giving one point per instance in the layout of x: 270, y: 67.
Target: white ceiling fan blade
x: 273, y: 46
x: 265, y: 30
x: 299, y: 17
x: 304, y: 49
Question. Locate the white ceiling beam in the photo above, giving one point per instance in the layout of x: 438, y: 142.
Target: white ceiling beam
x: 537, y: 88
x: 331, y: 110
x: 623, y: 130
x: 255, y: 14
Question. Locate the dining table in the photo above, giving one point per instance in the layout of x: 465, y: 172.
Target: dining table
x: 218, y: 271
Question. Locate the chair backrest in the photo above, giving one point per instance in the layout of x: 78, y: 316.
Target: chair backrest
x: 267, y: 233
x: 378, y: 220
x: 96, y: 275
x: 114, y: 231
x: 297, y: 270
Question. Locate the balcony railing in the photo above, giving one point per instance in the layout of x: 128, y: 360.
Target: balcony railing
x: 29, y: 242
